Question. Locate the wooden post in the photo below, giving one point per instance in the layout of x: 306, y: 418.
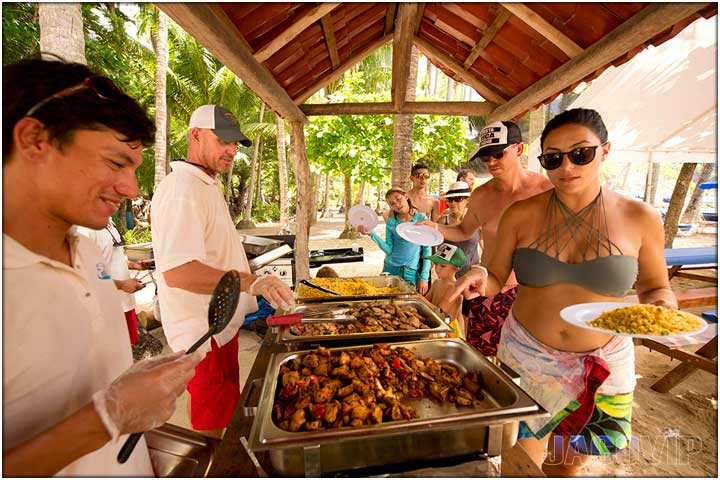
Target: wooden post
x: 304, y: 191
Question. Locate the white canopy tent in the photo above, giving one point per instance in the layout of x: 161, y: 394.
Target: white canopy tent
x: 661, y: 106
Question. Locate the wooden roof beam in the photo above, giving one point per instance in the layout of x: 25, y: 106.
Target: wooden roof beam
x: 402, y: 50
x: 211, y: 27
x: 419, y: 16
x: 644, y: 25
x: 490, y: 32
x: 329, y: 32
x: 431, y: 50
x: 387, y: 108
x: 544, y: 28
x: 310, y: 17
x: 390, y: 17
x: 340, y: 71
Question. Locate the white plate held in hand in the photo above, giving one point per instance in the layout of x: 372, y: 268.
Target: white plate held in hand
x: 582, y: 314
x: 419, y: 234
x: 362, y: 215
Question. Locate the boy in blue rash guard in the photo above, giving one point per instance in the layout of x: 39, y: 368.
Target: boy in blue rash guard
x: 402, y: 258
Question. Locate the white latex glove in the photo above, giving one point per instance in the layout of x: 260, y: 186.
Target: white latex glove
x: 143, y: 396
x: 273, y: 290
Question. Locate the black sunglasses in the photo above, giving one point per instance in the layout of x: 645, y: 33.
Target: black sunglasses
x: 456, y: 199
x: 102, y: 86
x: 578, y: 156
x: 485, y: 157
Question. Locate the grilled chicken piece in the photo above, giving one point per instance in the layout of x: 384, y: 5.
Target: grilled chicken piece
x: 376, y: 415
x: 324, y: 394
x: 470, y: 385
x: 343, y: 371
x: 407, y: 411
x: 395, y: 412
x: 313, y: 425
x: 356, y: 362
x: 331, y: 411
x: 360, y: 412
x: 297, y: 421
x: 439, y: 391
x: 311, y: 360
x: 344, y: 358
x: 303, y: 402
x: 345, y: 391
x: 322, y: 369
x: 323, y: 352
x: 290, y: 378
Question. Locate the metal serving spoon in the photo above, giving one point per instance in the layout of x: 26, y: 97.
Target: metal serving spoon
x: 223, y: 303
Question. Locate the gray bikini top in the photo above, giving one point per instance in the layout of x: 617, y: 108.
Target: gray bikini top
x: 608, y: 273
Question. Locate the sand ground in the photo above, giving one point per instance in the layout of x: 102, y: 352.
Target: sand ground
x: 675, y: 432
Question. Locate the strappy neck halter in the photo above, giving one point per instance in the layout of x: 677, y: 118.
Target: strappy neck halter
x: 563, y: 227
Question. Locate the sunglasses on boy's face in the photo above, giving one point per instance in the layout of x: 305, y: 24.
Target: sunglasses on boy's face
x: 456, y: 199
x: 103, y: 87
x: 422, y: 175
x: 578, y: 156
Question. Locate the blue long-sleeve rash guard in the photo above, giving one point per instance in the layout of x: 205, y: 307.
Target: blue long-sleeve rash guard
x: 399, y: 252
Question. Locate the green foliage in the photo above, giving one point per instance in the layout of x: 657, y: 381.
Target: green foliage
x: 441, y: 141
x: 139, y: 234
x: 20, y: 31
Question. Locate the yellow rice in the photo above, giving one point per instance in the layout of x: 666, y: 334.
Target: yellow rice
x: 344, y: 286
x: 647, y: 320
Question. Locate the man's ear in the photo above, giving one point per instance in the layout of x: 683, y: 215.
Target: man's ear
x: 30, y: 139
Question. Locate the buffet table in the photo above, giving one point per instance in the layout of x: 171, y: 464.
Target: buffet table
x: 232, y: 458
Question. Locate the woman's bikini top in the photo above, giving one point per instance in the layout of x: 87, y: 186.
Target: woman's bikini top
x: 607, y: 273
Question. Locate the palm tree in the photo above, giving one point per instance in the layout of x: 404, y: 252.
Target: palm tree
x: 403, y: 133
x: 282, y: 173
x: 160, y: 44
x: 61, y: 31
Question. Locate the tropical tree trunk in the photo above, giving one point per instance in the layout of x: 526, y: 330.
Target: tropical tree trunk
x: 403, y: 133
x: 258, y: 181
x: 61, y: 31
x: 349, y: 231
x: 677, y: 200
x: 428, y: 76
x: 304, y: 191
x: 250, y: 197
x: 160, y: 43
x: 316, y: 179
x: 450, y: 92
x: 380, y: 196
x: 326, y: 197
x: 282, y: 172
x: 626, y: 176
x: 360, y: 194
x: 651, y: 182
x: 441, y: 184
x: 694, y: 208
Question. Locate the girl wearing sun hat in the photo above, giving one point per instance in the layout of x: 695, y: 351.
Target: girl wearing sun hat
x: 457, y: 198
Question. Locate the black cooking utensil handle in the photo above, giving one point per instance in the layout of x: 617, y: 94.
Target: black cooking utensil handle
x: 322, y: 289
x: 128, y: 447
x: 132, y: 440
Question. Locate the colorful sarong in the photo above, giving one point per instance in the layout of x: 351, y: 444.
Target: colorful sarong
x: 485, y: 320
x: 588, y: 394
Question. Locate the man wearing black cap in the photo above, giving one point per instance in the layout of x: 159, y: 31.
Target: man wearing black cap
x: 500, y: 149
x: 195, y: 243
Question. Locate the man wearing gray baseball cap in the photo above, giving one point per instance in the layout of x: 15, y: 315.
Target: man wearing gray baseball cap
x: 195, y: 243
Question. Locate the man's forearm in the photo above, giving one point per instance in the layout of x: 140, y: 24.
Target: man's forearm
x: 197, y: 277
x: 52, y: 450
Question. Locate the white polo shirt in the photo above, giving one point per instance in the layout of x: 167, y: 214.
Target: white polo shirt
x: 64, y: 339
x: 191, y: 221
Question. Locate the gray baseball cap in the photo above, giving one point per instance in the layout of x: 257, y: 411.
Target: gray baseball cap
x: 221, y: 121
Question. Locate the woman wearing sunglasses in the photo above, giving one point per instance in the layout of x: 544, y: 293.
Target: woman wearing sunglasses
x: 576, y: 243
x: 402, y: 258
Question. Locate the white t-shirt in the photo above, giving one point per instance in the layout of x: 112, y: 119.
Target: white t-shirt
x: 108, y: 240
x: 191, y: 221
x: 64, y: 339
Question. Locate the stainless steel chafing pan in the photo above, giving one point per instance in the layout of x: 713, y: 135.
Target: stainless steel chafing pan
x: 438, y: 328
x: 441, y: 431
x: 403, y: 288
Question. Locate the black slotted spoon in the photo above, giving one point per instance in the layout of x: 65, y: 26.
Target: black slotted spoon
x: 223, y: 303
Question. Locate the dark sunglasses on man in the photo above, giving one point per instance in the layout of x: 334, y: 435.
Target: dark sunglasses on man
x: 485, y: 157
x: 456, y: 199
x: 422, y: 175
x: 103, y: 87
x: 578, y: 156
